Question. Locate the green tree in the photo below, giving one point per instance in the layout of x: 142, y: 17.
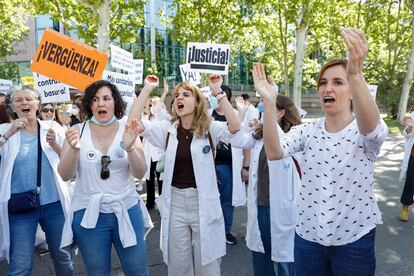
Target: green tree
x: 13, y: 17
x: 97, y: 22
x: 408, y: 80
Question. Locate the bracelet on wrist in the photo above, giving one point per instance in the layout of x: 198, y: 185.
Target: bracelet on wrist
x: 220, y: 96
x: 246, y: 168
x: 129, y: 151
x: 3, y: 139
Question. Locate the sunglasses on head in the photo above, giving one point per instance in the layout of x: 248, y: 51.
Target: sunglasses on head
x: 45, y: 110
x: 105, y: 161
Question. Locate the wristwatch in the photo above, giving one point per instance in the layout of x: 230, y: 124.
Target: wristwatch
x: 246, y: 168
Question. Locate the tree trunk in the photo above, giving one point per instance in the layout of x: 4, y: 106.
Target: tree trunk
x: 102, y: 39
x: 408, y: 81
x: 300, y: 55
x: 283, y: 42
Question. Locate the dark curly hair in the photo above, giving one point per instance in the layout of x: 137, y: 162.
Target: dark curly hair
x: 90, y: 93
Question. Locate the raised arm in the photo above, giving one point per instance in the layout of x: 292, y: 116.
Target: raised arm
x: 164, y: 92
x: 134, y: 149
x: 69, y: 154
x: 366, y: 110
x: 268, y: 92
x: 233, y: 122
x: 137, y: 107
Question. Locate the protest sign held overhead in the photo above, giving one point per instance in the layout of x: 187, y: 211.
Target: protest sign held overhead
x: 125, y: 84
x: 122, y: 59
x: 66, y: 60
x: 5, y: 85
x: 188, y: 75
x: 208, y: 57
x: 138, y: 70
x: 50, y: 90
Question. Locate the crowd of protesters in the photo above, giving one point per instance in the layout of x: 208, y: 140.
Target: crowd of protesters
x: 311, y: 209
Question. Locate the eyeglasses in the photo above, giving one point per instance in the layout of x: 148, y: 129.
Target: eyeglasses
x: 105, y: 161
x: 45, y: 110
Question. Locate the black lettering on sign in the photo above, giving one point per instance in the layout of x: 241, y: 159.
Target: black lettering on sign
x: 68, y: 58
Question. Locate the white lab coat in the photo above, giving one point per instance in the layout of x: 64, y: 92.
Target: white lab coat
x: 8, y: 154
x: 151, y: 153
x: 239, y: 188
x: 239, y: 196
x: 212, y: 234
x: 284, y: 184
x: 407, y: 150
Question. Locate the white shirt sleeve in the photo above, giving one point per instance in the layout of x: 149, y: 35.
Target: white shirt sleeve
x: 294, y: 140
x: 374, y: 140
x: 156, y: 132
x: 244, y: 140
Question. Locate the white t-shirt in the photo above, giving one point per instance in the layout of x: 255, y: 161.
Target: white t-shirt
x: 113, y: 195
x: 336, y: 203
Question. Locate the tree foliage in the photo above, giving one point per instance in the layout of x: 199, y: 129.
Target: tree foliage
x: 13, y: 17
x: 87, y: 16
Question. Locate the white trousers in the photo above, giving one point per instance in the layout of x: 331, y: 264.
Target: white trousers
x: 184, y: 249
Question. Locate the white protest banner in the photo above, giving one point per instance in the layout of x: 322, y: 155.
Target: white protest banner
x: 125, y: 84
x: 122, y: 59
x: 5, y: 85
x: 188, y: 75
x: 208, y: 57
x: 373, y: 90
x: 138, y: 70
x: 50, y: 90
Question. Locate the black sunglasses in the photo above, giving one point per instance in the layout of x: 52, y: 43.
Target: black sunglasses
x: 45, y: 110
x: 105, y: 161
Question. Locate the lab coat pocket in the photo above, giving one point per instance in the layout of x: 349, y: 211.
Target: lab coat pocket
x: 288, y: 214
x: 213, y: 212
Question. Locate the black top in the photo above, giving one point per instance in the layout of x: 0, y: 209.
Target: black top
x: 183, y: 175
x: 263, y: 180
x: 223, y: 150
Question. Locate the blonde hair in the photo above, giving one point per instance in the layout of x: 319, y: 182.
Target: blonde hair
x: 202, y: 119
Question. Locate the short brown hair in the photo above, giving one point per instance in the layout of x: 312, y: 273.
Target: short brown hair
x: 329, y: 64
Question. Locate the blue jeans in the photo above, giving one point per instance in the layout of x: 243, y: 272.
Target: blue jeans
x: 95, y: 244
x: 356, y: 258
x: 22, y: 239
x: 225, y: 186
x: 262, y: 262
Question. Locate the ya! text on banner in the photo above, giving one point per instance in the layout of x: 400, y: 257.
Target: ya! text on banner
x: 188, y: 75
x: 66, y: 60
x: 208, y: 57
x: 50, y: 90
x: 122, y: 59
